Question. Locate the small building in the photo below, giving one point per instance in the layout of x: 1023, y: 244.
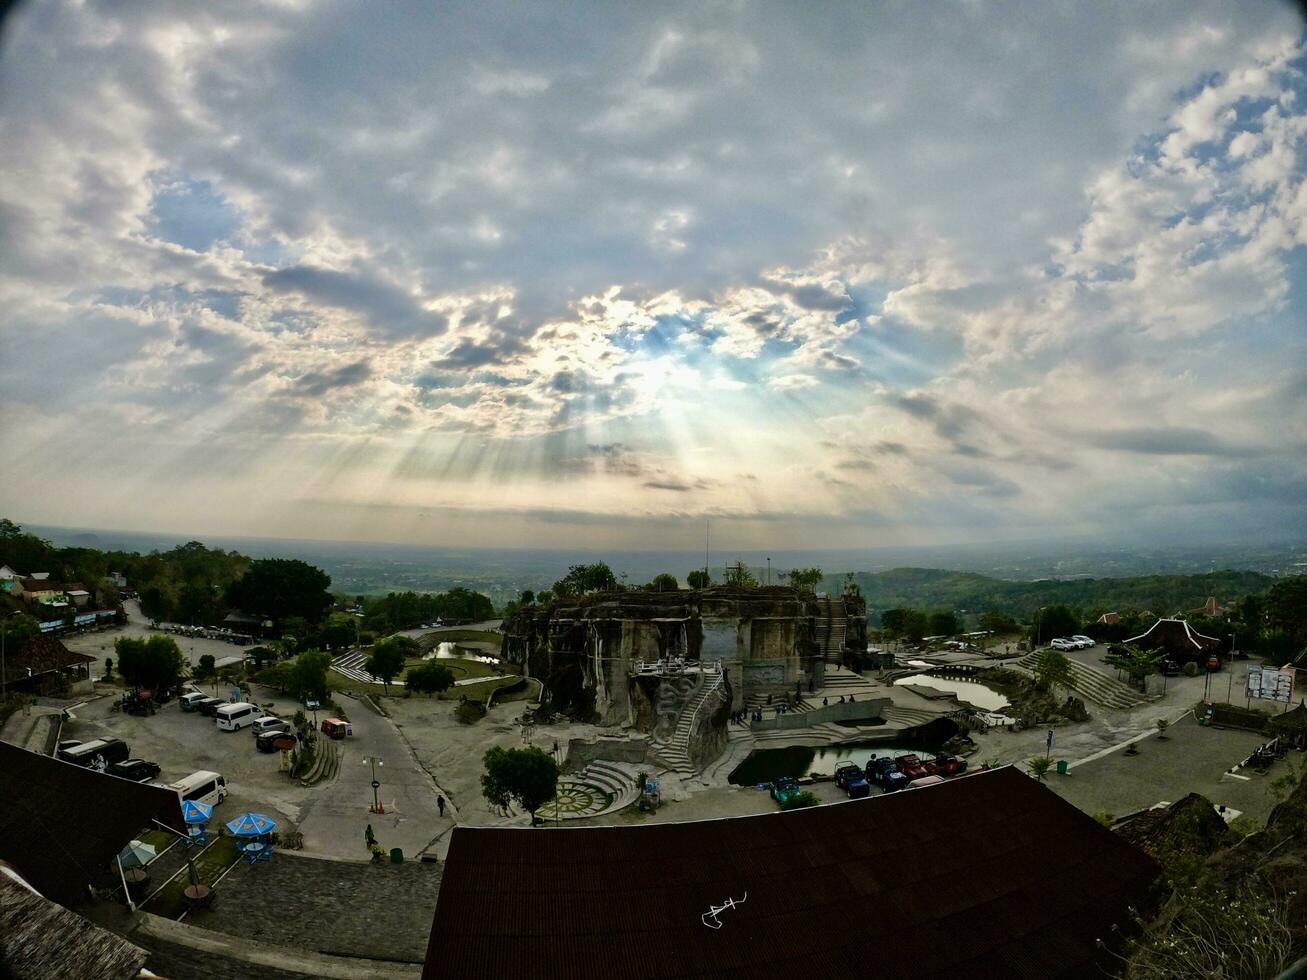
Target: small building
x: 1177, y: 639
x: 34, y: 665
x: 11, y: 581
x: 40, y: 589
x: 77, y: 594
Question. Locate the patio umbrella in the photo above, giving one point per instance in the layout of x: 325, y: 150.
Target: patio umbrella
x: 194, y: 811
x: 252, y: 825
x: 137, y: 854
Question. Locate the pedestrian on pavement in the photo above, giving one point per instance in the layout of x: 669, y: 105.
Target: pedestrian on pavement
x: 440, y: 802
x: 769, y: 700
x: 825, y: 701
x: 371, y: 837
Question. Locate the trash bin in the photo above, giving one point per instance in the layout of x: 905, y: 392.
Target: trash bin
x: 1062, y: 767
x: 396, y: 855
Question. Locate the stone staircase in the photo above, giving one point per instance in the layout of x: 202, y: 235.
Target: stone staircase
x: 675, y: 753
x: 1091, y: 684
x: 602, y: 787
x: 831, y: 625
x: 908, y: 717
x: 325, y: 764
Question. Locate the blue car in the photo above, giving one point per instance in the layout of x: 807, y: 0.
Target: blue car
x: 884, y: 772
x: 849, y: 777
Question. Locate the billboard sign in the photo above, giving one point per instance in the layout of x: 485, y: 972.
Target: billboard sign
x: 1267, y: 684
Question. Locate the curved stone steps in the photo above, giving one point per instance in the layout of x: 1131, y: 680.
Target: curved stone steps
x: 1091, y: 684
x: 602, y: 787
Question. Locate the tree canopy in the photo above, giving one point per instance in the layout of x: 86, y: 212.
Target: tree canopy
x: 429, y: 678
x: 808, y: 579
x: 664, y: 582
x: 1052, y: 669
x: 282, y: 588
x: 528, y: 777
x: 698, y: 579
x: 387, y: 658
x: 155, y: 663
x: 307, y: 680
x: 581, y: 579
x: 1053, y: 622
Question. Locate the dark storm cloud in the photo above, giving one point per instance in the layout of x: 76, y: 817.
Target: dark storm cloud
x: 318, y: 383
x: 390, y: 310
x: 1169, y: 441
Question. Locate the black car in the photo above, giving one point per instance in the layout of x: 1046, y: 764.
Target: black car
x: 137, y: 770
x: 209, y: 706
x: 1171, y: 668
x: 267, y: 741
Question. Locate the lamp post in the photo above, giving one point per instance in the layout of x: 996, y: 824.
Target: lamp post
x: 374, y: 761
x: 1039, y: 626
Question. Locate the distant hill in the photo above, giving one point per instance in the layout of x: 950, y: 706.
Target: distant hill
x: 936, y: 589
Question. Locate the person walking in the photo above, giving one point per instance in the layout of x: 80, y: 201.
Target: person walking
x: 440, y: 803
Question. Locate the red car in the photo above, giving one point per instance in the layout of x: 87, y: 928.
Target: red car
x: 911, y: 766
x: 947, y: 765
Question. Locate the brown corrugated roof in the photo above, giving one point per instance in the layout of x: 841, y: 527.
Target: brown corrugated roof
x: 992, y: 875
x: 61, y: 825
x: 42, y: 653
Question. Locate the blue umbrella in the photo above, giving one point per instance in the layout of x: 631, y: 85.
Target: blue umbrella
x: 194, y: 811
x: 252, y: 825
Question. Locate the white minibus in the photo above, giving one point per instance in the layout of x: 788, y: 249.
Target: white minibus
x: 233, y: 717
x: 202, y: 787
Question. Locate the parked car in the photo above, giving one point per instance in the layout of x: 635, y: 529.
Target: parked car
x: 137, y: 770
x: 925, y: 781
x: 1085, y: 641
x: 846, y: 771
x: 783, y: 788
x: 191, y: 699
x: 856, y: 785
x: 99, y: 753
x: 1171, y: 668
x: 947, y: 765
x: 1062, y: 644
x: 884, y: 772
x: 270, y: 723
x: 335, y: 728
x: 911, y: 766
x: 267, y: 741
x: 208, y: 707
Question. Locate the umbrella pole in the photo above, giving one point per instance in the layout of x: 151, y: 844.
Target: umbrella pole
x: 127, y: 892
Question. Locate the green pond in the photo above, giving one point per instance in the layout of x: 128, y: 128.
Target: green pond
x: 767, y: 765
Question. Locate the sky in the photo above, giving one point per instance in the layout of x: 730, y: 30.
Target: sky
x: 600, y: 275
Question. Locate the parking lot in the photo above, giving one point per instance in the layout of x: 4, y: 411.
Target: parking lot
x: 99, y: 644
x: 184, y: 742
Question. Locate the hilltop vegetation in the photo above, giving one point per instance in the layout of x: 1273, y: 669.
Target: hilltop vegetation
x: 972, y: 594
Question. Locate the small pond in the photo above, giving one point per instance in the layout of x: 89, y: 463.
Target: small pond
x: 971, y: 692
x: 766, y: 765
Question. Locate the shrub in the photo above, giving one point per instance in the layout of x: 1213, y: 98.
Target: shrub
x: 799, y: 801
x: 470, y: 712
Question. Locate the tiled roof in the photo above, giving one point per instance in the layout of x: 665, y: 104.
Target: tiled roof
x: 61, y: 825
x: 1173, y: 633
x: 990, y: 875
x: 42, y: 654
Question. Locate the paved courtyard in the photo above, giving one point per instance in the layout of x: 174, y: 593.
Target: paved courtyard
x: 344, y: 908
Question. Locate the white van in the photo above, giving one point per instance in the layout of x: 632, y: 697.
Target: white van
x: 233, y: 717
x: 202, y: 787
x: 189, y: 701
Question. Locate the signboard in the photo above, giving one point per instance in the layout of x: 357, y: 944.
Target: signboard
x: 1267, y: 684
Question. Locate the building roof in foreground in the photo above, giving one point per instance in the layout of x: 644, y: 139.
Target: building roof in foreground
x: 990, y: 875
x: 40, y: 939
x: 61, y: 825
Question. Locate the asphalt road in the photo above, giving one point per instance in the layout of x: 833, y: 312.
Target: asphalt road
x: 336, y: 816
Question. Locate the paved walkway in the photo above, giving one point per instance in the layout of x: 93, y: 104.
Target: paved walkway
x: 335, y: 818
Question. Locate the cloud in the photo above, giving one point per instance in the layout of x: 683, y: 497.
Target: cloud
x: 1178, y: 441
x: 318, y: 383
x: 388, y: 308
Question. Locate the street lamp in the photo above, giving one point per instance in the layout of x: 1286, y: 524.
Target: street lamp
x: 1039, y: 626
x: 374, y: 761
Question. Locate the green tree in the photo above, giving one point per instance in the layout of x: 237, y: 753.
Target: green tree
x: 1286, y: 609
x: 205, y: 667
x: 999, y: 624
x: 1053, y: 622
x: 698, y: 579
x: 308, y: 676
x: 19, y: 627
x: 1052, y: 669
x: 799, y: 801
x: 1135, y: 662
x: 943, y: 624
x: 197, y: 604
x: 664, y: 582
x: 527, y: 597
x: 915, y: 625
x: 581, y: 579
x: 429, y: 678
x: 155, y: 604
x: 740, y: 576
x: 806, y: 579
x: 528, y: 777
x: 340, y: 631
x: 892, y: 621
x: 1040, y: 766
x: 154, y: 663
x: 281, y: 588
x: 386, y: 660
x: 851, y: 586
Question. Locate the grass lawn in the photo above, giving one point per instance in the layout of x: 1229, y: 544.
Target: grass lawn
x: 460, y: 668
x: 210, y: 864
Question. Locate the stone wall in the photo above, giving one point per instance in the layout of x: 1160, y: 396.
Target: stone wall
x: 583, y: 751
x: 584, y: 650
x: 848, y: 711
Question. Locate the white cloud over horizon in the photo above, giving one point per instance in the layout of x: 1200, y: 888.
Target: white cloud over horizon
x: 906, y: 275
